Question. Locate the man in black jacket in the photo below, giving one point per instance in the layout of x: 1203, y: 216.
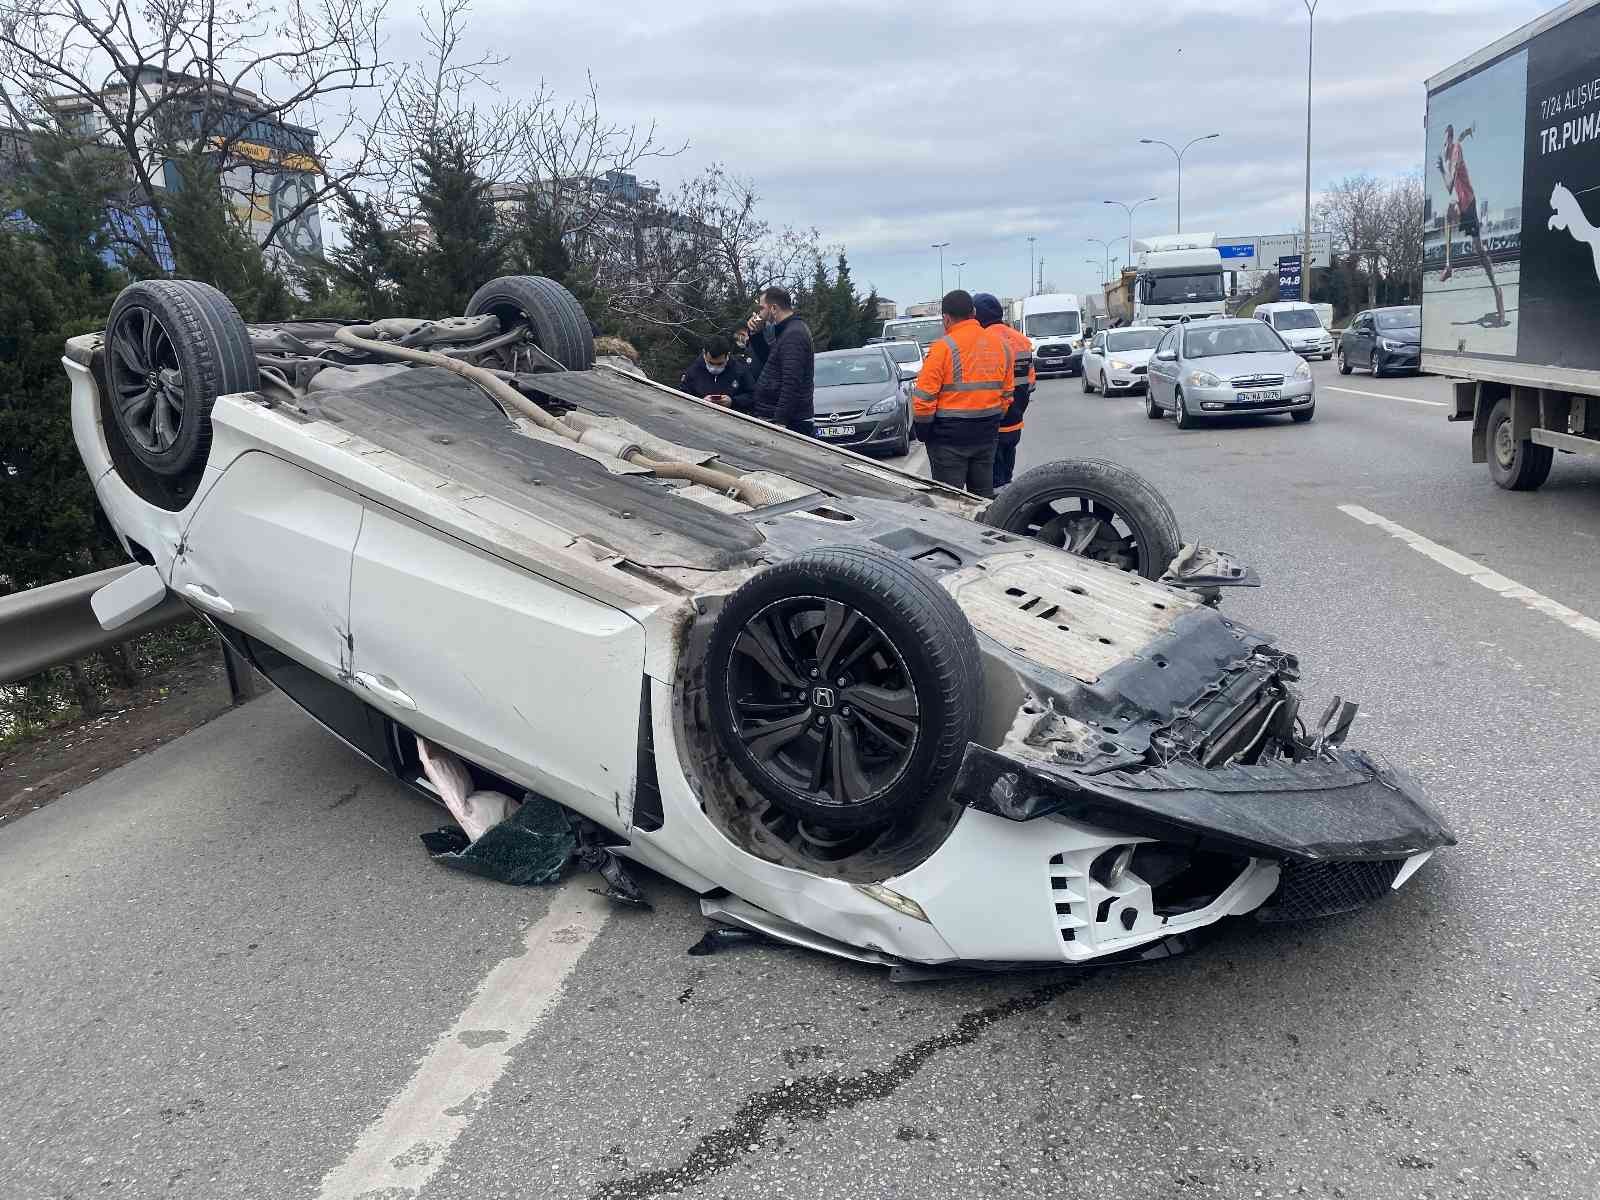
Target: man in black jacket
x: 718, y: 376
x: 785, y: 361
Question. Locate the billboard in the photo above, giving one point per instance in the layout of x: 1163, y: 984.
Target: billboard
x: 1289, y: 277
x: 1511, y: 222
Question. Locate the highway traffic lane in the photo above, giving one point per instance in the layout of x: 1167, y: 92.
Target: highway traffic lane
x: 1397, y: 1036
x: 219, y: 962
x: 925, y: 1090
x: 1404, y: 461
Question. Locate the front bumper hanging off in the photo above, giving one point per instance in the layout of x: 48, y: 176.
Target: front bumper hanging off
x: 1343, y: 828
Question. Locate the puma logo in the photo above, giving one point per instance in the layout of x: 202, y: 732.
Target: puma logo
x: 1567, y: 214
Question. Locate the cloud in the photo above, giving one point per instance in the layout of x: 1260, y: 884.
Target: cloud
x: 890, y: 127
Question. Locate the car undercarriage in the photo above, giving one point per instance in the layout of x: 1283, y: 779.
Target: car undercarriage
x: 845, y: 705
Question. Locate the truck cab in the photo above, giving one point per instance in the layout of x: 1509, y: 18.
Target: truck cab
x: 1180, y: 278
x: 1054, y: 325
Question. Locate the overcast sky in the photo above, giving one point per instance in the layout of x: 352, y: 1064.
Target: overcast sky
x: 891, y: 126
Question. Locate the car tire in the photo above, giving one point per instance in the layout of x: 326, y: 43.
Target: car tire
x: 1302, y: 415
x: 1105, y: 385
x: 1181, y: 414
x: 1344, y: 362
x: 903, y: 446
x: 1377, y: 365
x: 1088, y: 388
x: 1151, y: 409
x: 173, y: 346
x: 555, y: 318
x: 1105, y: 491
x: 1517, y: 466
x: 890, y: 739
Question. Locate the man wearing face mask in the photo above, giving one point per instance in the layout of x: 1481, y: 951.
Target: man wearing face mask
x: 719, y: 377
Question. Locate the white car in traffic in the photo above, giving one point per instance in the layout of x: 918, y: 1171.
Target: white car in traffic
x: 1118, y: 360
x: 1299, y: 325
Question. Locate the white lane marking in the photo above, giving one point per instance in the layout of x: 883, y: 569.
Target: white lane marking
x: 1328, y: 387
x: 1478, y: 573
x: 401, y: 1151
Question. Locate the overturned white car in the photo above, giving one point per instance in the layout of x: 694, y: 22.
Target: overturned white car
x: 846, y: 706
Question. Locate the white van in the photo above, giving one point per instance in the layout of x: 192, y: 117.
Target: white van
x: 1299, y: 324
x: 1053, y: 323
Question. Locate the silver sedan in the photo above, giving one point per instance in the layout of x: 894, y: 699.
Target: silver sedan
x: 1228, y: 366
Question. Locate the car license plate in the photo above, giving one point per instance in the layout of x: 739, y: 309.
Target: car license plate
x: 836, y: 431
x: 1262, y: 396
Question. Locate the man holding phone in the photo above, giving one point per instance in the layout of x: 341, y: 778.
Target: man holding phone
x: 716, y: 375
x: 785, y: 359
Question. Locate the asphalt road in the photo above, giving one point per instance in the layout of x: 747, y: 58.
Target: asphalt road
x: 229, y: 970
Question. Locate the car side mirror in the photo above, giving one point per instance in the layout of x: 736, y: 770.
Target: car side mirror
x: 1168, y: 356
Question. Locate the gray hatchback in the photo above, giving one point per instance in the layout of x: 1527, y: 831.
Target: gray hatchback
x: 1227, y: 366
x: 860, y: 401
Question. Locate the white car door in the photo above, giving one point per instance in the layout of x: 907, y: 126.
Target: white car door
x: 531, y: 679
x: 268, y: 552
x: 1094, y: 358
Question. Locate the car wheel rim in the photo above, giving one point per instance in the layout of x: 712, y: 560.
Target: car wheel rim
x: 1085, y: 525
x: 146, y: 380
x: 823, y: 701
x: 1505, y: 449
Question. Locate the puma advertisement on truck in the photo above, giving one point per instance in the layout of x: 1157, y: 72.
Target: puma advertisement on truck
x: 1512, y: 220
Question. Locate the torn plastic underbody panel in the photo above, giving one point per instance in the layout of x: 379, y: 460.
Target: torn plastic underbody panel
x: 1342, y: 806
x: 1197, y: 740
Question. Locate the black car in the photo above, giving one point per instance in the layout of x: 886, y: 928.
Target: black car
x: 1383, y: 339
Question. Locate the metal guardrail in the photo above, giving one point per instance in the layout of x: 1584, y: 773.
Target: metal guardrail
x: 51, y: 625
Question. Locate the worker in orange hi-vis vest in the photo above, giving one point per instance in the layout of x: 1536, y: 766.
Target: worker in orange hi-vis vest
x: 961, y: 393
x: 1023, y: 379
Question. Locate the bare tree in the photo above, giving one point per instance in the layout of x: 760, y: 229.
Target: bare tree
x: 431, y: 102
x: 1353, y: 211
x: 703, y: 254
x: 248, y: 88
x: 1402, y: 233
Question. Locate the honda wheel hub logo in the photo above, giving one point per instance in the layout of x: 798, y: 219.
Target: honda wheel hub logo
x: 822, y: 697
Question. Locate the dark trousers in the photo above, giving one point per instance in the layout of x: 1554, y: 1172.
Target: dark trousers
x: 1005, y: 458
x: 964, y: 466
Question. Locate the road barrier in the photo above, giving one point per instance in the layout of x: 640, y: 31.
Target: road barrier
x: 51, y: 625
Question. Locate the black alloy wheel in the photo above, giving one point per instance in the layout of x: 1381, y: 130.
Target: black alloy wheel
x: 1344, y: 360
x: 824, y: 700
x: 1095, y: 509
x: 172, y: 346
x: 147, y: 379
x: 844, y: 685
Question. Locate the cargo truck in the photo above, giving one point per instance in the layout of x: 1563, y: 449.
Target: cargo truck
x: 1511, y: 243
x: 1180, y: 279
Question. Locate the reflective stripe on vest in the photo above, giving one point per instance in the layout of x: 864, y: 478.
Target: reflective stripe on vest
x: 958, y: 385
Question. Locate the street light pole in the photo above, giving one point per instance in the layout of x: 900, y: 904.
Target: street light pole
x: 1305, y: 262
x: 1105, y: 252
x: 1130, y: 212
x: 939, y: 246
x: 1178, y: 154
x: 1099, y: 266
x: 1031, y: 240
x: 958, y: 267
